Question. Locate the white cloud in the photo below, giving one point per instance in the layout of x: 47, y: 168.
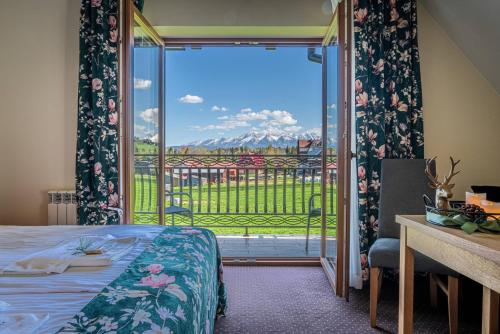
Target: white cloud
x: 275, y: 117
x: 271, y: 118
x: 225, y: 125
x: 141, y: 83
x: 251, y: 116
x: 154, y: 138
x: 192, y: 99
x: 278, y: 118
x: 150, y: 115
x: 292, y: 129
x: 273, y: 131
x: 315, y: 131
x: 142, y: 132
x: 217, y: 108
x: 271, y: 121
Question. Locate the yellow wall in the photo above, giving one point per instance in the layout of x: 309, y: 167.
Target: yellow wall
x: 38, y: 96
x: 461, y: 110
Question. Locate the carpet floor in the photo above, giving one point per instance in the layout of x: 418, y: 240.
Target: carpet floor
x: 300, y: 300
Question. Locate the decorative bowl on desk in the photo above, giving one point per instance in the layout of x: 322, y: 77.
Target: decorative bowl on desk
x: 470, y: 217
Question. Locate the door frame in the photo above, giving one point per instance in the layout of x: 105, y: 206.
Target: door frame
x: 345, y: 66
x: 338, y: 271
x: 338, y: 274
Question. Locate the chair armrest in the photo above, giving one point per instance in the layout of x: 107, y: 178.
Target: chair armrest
x: 311, y: 201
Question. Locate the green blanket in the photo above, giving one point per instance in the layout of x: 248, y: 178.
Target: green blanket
x: 174, y: 286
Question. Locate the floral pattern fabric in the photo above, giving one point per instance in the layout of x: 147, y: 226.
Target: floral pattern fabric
x: 139, y: 4
x: 174, y: 286
x: 97, y: 130
x: 388, y: 100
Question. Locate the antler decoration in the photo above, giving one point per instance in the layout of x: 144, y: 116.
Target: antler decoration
x: 443, y: 189
x: 452, y: 173
x: 434, y: 183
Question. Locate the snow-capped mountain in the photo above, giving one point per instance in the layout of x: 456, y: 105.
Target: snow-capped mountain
x: 258, y: 140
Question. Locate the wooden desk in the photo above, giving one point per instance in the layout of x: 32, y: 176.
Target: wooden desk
x: 476, y: 256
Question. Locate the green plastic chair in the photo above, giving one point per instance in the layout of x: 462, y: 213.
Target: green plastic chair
x: 313, y: 212
x: 179, y: 210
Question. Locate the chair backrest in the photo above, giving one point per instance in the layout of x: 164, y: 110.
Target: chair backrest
x: 403, y: 182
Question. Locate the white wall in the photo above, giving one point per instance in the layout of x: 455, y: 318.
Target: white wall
x: 461, y: 110
x: 38, y: 98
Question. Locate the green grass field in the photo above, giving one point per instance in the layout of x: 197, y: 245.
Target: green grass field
x: 249, y: 214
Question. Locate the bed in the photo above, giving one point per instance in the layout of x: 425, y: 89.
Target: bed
x: 170, y: 280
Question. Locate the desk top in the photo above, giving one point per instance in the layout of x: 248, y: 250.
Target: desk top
x: 483, y: 244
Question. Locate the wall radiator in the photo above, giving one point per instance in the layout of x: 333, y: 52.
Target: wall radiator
x: 62, y: 207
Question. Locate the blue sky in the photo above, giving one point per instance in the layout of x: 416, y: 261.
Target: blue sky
x: 223, y: 92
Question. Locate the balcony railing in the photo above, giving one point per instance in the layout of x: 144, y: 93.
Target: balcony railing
x: 246, y: 191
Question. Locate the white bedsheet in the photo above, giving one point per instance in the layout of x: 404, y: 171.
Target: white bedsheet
x: 61, y: 295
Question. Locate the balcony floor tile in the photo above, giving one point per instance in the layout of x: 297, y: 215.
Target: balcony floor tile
x: 272, y: 246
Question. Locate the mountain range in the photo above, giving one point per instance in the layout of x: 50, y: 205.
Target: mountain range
x: 258, y: 140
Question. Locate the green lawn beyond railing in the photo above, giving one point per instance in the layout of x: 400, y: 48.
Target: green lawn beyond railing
x: 286, y: 212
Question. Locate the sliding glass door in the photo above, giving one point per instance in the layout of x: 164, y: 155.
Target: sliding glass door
x: 254, y: 162
x: 336, y: 151
x: 145, y: 122
x: 330, y: 122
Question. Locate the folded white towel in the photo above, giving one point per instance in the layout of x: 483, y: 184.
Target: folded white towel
x: 21, y: 323
x: 71, y: 253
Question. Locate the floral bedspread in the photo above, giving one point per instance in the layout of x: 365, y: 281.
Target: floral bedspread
x: 174, y: 286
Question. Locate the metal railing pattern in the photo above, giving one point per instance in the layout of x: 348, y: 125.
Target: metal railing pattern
x: 246, y: 190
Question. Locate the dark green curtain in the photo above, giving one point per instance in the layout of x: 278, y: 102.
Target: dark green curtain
x: 388, y: 100
x: 139, y: 4
x: 97, y: 131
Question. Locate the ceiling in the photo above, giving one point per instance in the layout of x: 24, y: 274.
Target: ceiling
x: 474, y: 26
x: 239, y: 18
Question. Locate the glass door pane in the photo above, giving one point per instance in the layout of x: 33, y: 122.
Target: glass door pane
x: 329, y: 163
x: 146, y: 98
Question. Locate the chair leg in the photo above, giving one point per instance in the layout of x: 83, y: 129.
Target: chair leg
x: 453, y: 304
x: 433, y: 289
x: 307, y: 231
x: 374, y: 294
